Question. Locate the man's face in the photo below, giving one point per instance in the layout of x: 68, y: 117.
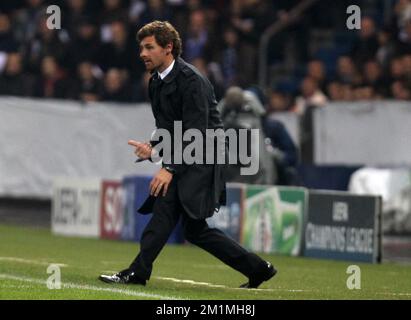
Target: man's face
x: 153, y: 55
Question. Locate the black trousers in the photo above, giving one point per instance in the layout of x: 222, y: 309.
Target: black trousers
x: 166, y: 214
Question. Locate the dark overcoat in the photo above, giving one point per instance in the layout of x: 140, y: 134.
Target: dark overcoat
x: 186, y: 95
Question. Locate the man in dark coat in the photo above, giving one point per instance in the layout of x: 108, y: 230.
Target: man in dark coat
x: 178, y: 92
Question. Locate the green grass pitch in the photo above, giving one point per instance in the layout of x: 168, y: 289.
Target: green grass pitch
x: 180, y: 272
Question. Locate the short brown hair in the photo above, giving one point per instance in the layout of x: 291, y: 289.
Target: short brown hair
x: 164, y: 33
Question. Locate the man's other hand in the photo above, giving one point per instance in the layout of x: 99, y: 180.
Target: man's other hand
x: 160, y: 181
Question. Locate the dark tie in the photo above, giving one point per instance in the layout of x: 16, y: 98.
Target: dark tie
x: 156, y: 79
x: 156, y: 83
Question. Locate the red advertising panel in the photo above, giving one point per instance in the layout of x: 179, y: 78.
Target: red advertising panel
x: 111, y: 210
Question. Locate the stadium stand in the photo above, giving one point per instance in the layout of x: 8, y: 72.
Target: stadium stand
x: 101, y: 34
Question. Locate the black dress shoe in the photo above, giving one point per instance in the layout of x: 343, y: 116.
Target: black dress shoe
x: 257, y: 279
x: 126, y: 276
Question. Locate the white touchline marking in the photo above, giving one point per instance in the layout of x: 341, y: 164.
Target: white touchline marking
x: 394, y: 294
x: 70, y: 285
x: 192, y: 282
x: 41, y: 263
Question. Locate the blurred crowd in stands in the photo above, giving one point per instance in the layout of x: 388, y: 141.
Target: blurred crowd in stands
x: 94, y: 56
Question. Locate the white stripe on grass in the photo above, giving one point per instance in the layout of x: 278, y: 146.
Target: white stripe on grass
x: 69, y: 285
x: 192, y: 282
x: 395, y: 294
x: 206, y: 284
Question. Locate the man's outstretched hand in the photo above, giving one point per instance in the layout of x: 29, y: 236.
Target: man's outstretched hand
x: 143, y: 149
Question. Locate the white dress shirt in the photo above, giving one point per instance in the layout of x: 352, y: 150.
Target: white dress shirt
x: 166, y: 71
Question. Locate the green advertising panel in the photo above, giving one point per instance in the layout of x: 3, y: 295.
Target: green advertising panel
x: 273, y: 219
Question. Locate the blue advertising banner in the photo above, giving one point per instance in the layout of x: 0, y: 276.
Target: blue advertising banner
x: 136, y: 190
x: 128, y: 231
x: 343, y: 226
x: 228, y: 218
